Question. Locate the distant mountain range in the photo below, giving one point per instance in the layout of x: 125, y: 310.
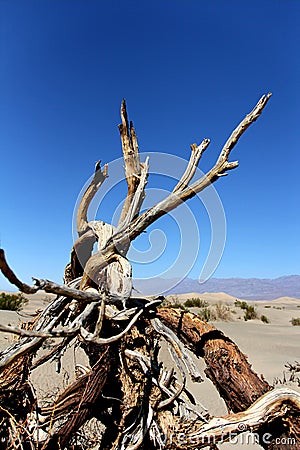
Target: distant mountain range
x: 244, y: 288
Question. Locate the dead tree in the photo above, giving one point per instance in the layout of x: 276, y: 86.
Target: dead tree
x: 140, y: 402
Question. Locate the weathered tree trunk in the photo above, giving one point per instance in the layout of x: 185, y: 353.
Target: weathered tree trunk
x: 141, y: 402
x: 227, y: 367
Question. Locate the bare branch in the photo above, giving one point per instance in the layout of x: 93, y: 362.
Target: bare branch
x: 241, y: 128
x: 12, y: 278
x: 57, y: 349
x: 222, y: 164
x: 133, y: 168
x: 137, y: 198
x: 54, y: 288
x: 45, y: 285
x: 49, y: 318
x: 177, y: 393
x: 179, y: 349
x: 29, y: 333
x: 124, y: 314
x: 197, y: 152
x: 98, y: 179
x: 83, y: 247
x: 93, y: 337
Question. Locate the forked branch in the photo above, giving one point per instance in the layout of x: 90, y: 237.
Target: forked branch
x: 182, y: 192
x: 196, y: 153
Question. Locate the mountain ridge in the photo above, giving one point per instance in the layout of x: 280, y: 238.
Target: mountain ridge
x: 246, y: 288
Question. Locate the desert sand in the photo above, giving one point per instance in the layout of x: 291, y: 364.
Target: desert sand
x: 269, y: 346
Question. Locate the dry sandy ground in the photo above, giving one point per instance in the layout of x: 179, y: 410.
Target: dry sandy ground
x: 268, y: 346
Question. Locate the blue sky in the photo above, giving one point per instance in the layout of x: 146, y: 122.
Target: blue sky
x: 188, y: 70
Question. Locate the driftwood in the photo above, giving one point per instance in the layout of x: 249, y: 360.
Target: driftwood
x: 140, y: 401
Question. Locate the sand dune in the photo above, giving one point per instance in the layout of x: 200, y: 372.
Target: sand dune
x: 207, y: 296
x: 223, y: 297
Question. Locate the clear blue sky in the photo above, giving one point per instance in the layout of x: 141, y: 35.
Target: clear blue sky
x: 188, y: 70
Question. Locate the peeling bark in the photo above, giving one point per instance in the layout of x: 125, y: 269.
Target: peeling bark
x: 227, y: 367
x: 74, y: 405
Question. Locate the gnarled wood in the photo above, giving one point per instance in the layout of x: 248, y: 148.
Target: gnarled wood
x: 231, y: 373
x: 139, y: 400
x: 227, y: 367
x: 270, y: 406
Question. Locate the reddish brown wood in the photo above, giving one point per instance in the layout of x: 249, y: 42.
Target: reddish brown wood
x: 227, y: 367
